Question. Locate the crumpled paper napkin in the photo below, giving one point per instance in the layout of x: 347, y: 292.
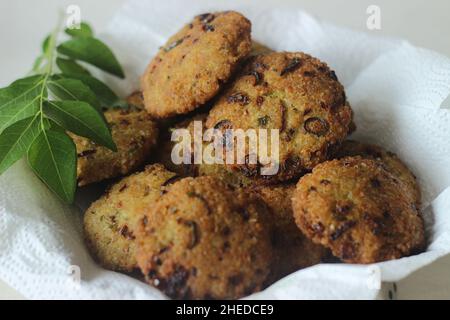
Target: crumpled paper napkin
x: 396, y: 90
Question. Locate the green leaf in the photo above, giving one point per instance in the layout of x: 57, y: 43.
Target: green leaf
x: 27, y: 80
x: 106, y: 96
x: 38, y: 62
x: 45, y: 44
x: 92, y: 51
x: 53, y: 157
x: 82, y: 119
x: 16, y: 139
x: 21, y: 100
x: 70, y: 89
x: 70, y: 66
x: 43, y: 57
x: 85, y: 30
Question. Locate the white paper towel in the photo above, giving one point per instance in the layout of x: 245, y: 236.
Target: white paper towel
x: 395, y: 89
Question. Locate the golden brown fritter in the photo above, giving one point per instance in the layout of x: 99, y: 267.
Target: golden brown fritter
x: 359, y: 210
x: 391, y: 161
x: 109, y: 223
x: 292, y: 92
x: 134, y: 133
x: 292, y: 250
x: 205, y: 240
x: 191, y: 67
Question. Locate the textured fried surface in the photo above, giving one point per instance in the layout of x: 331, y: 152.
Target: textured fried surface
x: 134, y: 133
x: 359, y: 210
x: 225, y: 173
x: 292, y: 92
x: 109, y: 223
x: 191, y: 67
x: 391, y: 161
x: 292, y: 250
x: 136, y: 99
x: 165, y: 151
x: 204, y: 240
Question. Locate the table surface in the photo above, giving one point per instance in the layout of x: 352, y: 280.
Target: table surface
x: 23, y: 24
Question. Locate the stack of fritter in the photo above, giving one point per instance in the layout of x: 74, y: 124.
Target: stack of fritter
x: 223, y: 231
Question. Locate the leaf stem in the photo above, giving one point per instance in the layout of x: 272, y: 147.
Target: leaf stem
x: 50, y: 55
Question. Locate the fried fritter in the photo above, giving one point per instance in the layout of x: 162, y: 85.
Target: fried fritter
x: 109, y: 223
x: 359, y: 210
x: 294, y: 93
x: 194, y: 63
x: 205, y: 240
x: 134, y: 133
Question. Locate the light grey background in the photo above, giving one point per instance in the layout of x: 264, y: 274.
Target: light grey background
x: 23, y: 24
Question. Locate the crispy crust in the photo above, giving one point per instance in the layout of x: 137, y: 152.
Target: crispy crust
x: 227, y: 174
x: 109, y: 223
x: 204, y: 240
x: 192, y: 65
x: 292, y: 92
x: 221, y: 172
x: 165, y: 154
x: 292, y: 250
x: 136, y: 99
x: 134, y: 133
x: 391, y: 161
x: 359, y: 210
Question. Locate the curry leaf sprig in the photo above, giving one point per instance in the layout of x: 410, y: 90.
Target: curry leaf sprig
x: 60, y: 95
